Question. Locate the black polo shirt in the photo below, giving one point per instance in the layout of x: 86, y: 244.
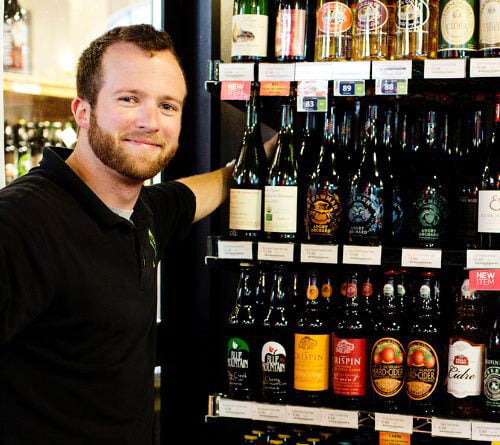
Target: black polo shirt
x: 78, y: 307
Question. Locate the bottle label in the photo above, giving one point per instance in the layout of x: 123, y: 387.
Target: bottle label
x: 492, y: 383
x: 352, y: 290
x: 371, y: 15
x: 465, y: 369
x: 349, y: 366
x: 489, y: 31
x: 290, y: 32
x: 367, y: 289
x: 312, y: 292
x: 425, y: 291
x: 249, y: 35
x: 489, y: 211
x: 412, y: 14
x: 422, y: 373
x: 388, y: 290
x: 238, y: 354
x: 334, y: 18
x: 387, y: 367
x: 323, y: 212
x: 431, y: 214
x: 326, y: 290
x: 311, y: 362
x: 400, y: 290
x: 467, y: 207
x: 458, y: 24
x: 281, y: 209
x: 274, y: 364
x: 366, y: 212
x: 245, y: 208
x: 397, y: 214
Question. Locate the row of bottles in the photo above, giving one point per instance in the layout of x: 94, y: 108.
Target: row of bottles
x: 373, y: 342
x: 376, y: 174
x: 364, y: 29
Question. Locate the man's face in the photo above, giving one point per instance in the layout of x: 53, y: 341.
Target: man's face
x: 135, y: 125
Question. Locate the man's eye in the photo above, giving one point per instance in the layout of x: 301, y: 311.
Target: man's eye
x: 168, y: 107
x: 128, y: 99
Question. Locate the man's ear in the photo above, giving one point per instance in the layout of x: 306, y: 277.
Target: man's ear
x: 81, y: 111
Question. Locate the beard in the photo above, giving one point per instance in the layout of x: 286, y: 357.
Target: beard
x: 138, y: 166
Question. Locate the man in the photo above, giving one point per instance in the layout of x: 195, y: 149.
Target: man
x: 80, y: 244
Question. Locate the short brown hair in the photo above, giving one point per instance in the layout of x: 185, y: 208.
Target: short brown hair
x: 89, y: 73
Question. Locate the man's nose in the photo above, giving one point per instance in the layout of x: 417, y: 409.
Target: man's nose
x: 147, y: 120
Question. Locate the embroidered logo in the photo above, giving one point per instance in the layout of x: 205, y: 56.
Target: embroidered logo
x: 152, y: 241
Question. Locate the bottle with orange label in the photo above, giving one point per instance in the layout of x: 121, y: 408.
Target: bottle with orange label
x: 312, y: 348
x: 327, y: 296
x: 369, y: 302
x: 387, y: 359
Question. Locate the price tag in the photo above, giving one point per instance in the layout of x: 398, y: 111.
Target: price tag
x: 235, y: 408
x: 399, y: 69
x: 483, y: 259
x: 236, y: 71
x: 236, y: 250
x: 277, y: 72
x: 312, y: 95
x: 276, y: 252
x: 367, y: 255
x: 235, y: 90
x: 484, y: 279
x: 395, y: 423
x: 267, y: 412
x: 340, y: 419
x: 350, y: 70
x: 488, y: 431
x: 313, y: 71
x: 275, y: 89
x: 429, y: 258
x: 386, y: 438
x: 488, y: 67
x: 349, y: 88
x: 460, y: 429
x: 391, y: 87
x: 444, y: 69
x: 307, y: 416
x: 319, y: 253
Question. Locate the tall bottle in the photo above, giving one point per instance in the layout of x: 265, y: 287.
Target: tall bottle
x: 249, y: 30
x: 262, y: 293
x: 492, y: 371
x: 312, y: 349
x: 365, y: 206
x: 291, y: 30
x: 276, y: 350
x: 334, y: 29
x: 489, y: 28
x: 281, y: 191
x: 458, y: 28
x: 349, y: 351
x: 324, y: 204
x: 249, y: 177
x: 372, y: 29
x: 241, y: 342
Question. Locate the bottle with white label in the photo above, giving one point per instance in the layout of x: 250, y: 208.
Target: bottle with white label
x: 466, y: 356
x: 249, y: 176
x: 489, y: 28
x: 281, y: 191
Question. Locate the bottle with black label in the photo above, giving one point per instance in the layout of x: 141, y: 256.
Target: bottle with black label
x: 492, y: 371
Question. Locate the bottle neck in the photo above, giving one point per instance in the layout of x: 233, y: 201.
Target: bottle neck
x: 278, y: 292
x: 352, y: 300
x: 312, y: 293
x: 389, y: 293
x: 245, y: 292
x: 286, y: 118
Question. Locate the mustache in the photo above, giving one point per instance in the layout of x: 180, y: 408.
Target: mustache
x: 157, y: 140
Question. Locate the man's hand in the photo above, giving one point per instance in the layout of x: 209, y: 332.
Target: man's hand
x: 270, y: 146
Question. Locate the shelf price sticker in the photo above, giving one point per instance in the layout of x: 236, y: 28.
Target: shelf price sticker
x: 276, y: 72
x: 307, y: 416
x: 401, y: 69
x: 483, y: 259
x: 274, y: 88
x: 235, y: 408
x: 459, y: 429
x: 351, y: 70
x: 349, y: 88
x: 236, y: 71
x: 429, y: 258
x: 268, y: 412
x: 312, y: 95
x: 313, y: 71
x: 488, y: 279
x: 391, y: 87
x: 337, y: 418
x: 487, y: 431
x: 276, y: 252
x: 235, y: 250
x: 395, y: 423
x: 319, y: 253
x: 366, y: 255
x: 485, y: 67
x: 235, y: 90
x: 386, y: 438
x: 444, y: 68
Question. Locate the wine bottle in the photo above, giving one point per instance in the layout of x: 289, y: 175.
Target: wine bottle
x: 291, y: 30
x: 489, y: 28
x: 371, y: 35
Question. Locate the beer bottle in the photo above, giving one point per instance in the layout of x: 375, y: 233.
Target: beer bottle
x: 280, y: 196
x: 329, y: 300
x: 261, y: 294
x: 492, y: 371
x: 403, y: 293
x: 489, y: 31
x: 249, y: 30
x: 368, y: 298
x: 312, y: 349
x: 466, y: 356
x: 424, y: 364
x: 349, y: 351
x: 249, y: 176
x: 276, y: 348
x: 291, y: 30
x: 387, y: 361
x: 371, y: 32
x: 241, y: 324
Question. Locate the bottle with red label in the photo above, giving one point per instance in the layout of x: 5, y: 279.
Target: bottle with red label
x: 424, y: 361
x: 466, y: 356
x: 349, y: 351
x: 291, y: 30
x: 387, y: 358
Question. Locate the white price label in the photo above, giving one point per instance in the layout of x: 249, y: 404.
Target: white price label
x: 313, y: 71
x: 341, y: 419
x: 430, y: 258
x: 395, y: 423
x: 236, y: 250
x: 267, y: 412
x: 307, y: 416
x: 319, y: 253
x: 395, y: 69
x: 276, y: 72
x: 235, y: 408
x: 276, y: 252
x: 236, y: 71
x: 487, y: 431
x: 483, y: 259
x: 367, y: 255
x: 460, y: 429
x: 350, y: 70
x: 444, y: 68
x: 488, y: 67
